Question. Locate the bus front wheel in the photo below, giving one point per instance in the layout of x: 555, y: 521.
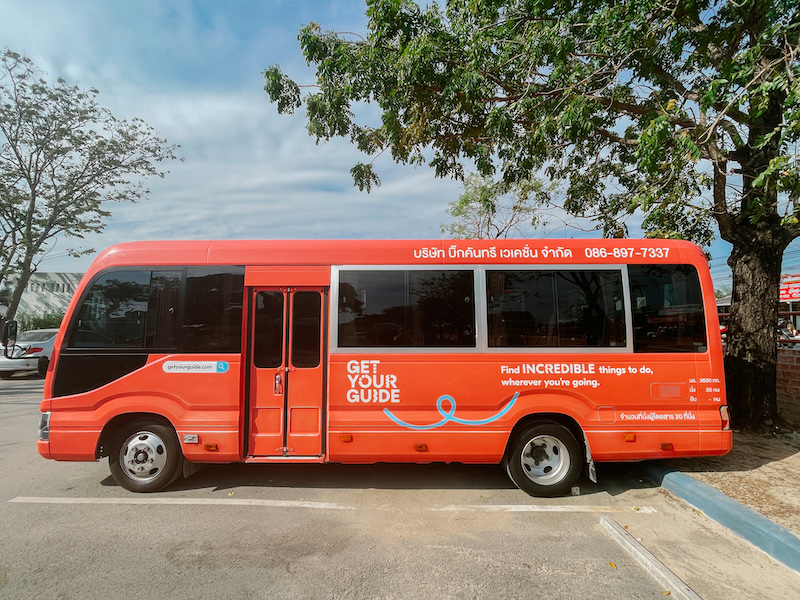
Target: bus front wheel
x: 145, y: 457
x: 544, y: 460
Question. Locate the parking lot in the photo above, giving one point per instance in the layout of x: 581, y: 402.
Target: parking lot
x: 339, y: 531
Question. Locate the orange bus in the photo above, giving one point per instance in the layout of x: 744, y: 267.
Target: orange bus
x: 543, y: 356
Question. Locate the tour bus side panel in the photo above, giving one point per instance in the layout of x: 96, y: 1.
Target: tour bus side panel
x: 151, y: 342
x: 196, y: 403
x: 390, y: 407
x: 394, y: 405
x: 464, y: 408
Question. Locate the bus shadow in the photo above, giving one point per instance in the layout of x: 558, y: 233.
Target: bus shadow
x: 613, y: 478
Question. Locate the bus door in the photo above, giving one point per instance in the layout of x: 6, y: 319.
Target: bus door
x: 287, y: 371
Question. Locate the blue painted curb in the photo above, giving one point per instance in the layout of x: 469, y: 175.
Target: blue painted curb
x: 777, y: 541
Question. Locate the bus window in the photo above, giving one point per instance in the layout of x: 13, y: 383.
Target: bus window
x: 213, y: 312
x: 130, y: 309
x: 268, y: 331
x: 162, y: 310
x: 406, y: 308
x: 306, y: 329
x: 555, y: 308
x: 667, y: 309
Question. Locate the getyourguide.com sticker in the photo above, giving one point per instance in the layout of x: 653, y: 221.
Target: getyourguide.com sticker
x: 195, y: 366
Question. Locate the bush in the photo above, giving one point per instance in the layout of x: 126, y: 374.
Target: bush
x: 41, y: 320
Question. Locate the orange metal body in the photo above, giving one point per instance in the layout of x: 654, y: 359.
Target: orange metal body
x: 373, y: 405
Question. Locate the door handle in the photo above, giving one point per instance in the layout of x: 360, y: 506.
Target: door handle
x: 278, y: 381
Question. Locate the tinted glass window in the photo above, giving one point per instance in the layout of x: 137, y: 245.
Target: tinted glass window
x: 268, y: 330
x: 162, y: 309
x: 213, y: 309
x: 130, y: 309
x: 306, y: 329
x: 406, y: 308
x: 555, y: 308
x: 667, y: 309
x: 114, y: 313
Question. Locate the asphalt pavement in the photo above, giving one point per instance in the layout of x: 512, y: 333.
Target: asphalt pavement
x: 354, y: 531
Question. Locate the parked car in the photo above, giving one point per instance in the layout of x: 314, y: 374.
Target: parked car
x: 31, y: 353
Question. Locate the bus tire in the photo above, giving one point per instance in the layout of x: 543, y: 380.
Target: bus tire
x: 145, y: 457
x: 544, y: 460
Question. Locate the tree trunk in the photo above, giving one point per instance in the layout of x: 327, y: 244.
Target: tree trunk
x: 751, y: 356
x: 19, y: 288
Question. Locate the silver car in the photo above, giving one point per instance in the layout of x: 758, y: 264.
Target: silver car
x: 31, y: 353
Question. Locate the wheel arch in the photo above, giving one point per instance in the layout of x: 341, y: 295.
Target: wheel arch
x: 560, y: 419
x: 116, y: 423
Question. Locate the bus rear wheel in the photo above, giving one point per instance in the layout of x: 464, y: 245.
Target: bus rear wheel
x: 544, y: 460
x: 145, y: 457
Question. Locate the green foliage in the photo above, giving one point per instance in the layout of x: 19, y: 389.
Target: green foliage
x: 63, y: 158
x: 633, y: 104
x: 40, y: 320
x: 489, y: 209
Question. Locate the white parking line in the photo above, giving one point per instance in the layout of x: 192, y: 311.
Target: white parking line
x: 185, y: 501
x: 548, y: 508
x: 144, y: 500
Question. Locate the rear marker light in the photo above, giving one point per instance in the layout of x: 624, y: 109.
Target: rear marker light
x: 726, y: 419
x: 44, y: 427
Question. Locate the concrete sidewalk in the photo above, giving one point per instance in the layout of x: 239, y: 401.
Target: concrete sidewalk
x: 754, y: 491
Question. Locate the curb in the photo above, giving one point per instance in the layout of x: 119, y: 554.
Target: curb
x: 777, y: 541
x: 673, y: 585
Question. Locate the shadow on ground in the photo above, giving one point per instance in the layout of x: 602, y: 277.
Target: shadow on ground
x: 613, y: 478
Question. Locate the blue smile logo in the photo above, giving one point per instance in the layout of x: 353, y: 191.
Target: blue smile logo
x: 450, y: 415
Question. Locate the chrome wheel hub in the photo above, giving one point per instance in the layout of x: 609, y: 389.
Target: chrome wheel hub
x: 143, y: 456
x: 545, y: 460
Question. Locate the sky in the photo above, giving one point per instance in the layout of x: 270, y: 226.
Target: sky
x: 193, y: 70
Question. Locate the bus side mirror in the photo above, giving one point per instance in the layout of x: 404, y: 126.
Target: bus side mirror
x: 9, y: 338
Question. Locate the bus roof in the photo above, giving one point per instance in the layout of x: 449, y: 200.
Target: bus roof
x: 399, y: 252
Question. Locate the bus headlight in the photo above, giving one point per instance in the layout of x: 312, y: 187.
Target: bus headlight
x: 44, y: 426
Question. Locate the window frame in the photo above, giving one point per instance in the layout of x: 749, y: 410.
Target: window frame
x: 481, y: 311
x: 75, y: 316
x: 213, y: 270
x: 566, y: 349
x: 333, y: 321
x: 179, y: 348
x: 701, y: 349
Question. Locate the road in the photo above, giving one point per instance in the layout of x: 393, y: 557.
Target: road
x: 338, y: 531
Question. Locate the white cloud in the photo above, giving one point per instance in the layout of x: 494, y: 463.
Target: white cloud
x: 192, y: 70
x: 188, y: 70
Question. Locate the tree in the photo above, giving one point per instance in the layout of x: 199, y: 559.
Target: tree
x: 61, y: 158
x: 494, y: 209
x: 687, y: 111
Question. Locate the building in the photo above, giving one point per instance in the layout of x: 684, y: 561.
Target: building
x: 46, y: 292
